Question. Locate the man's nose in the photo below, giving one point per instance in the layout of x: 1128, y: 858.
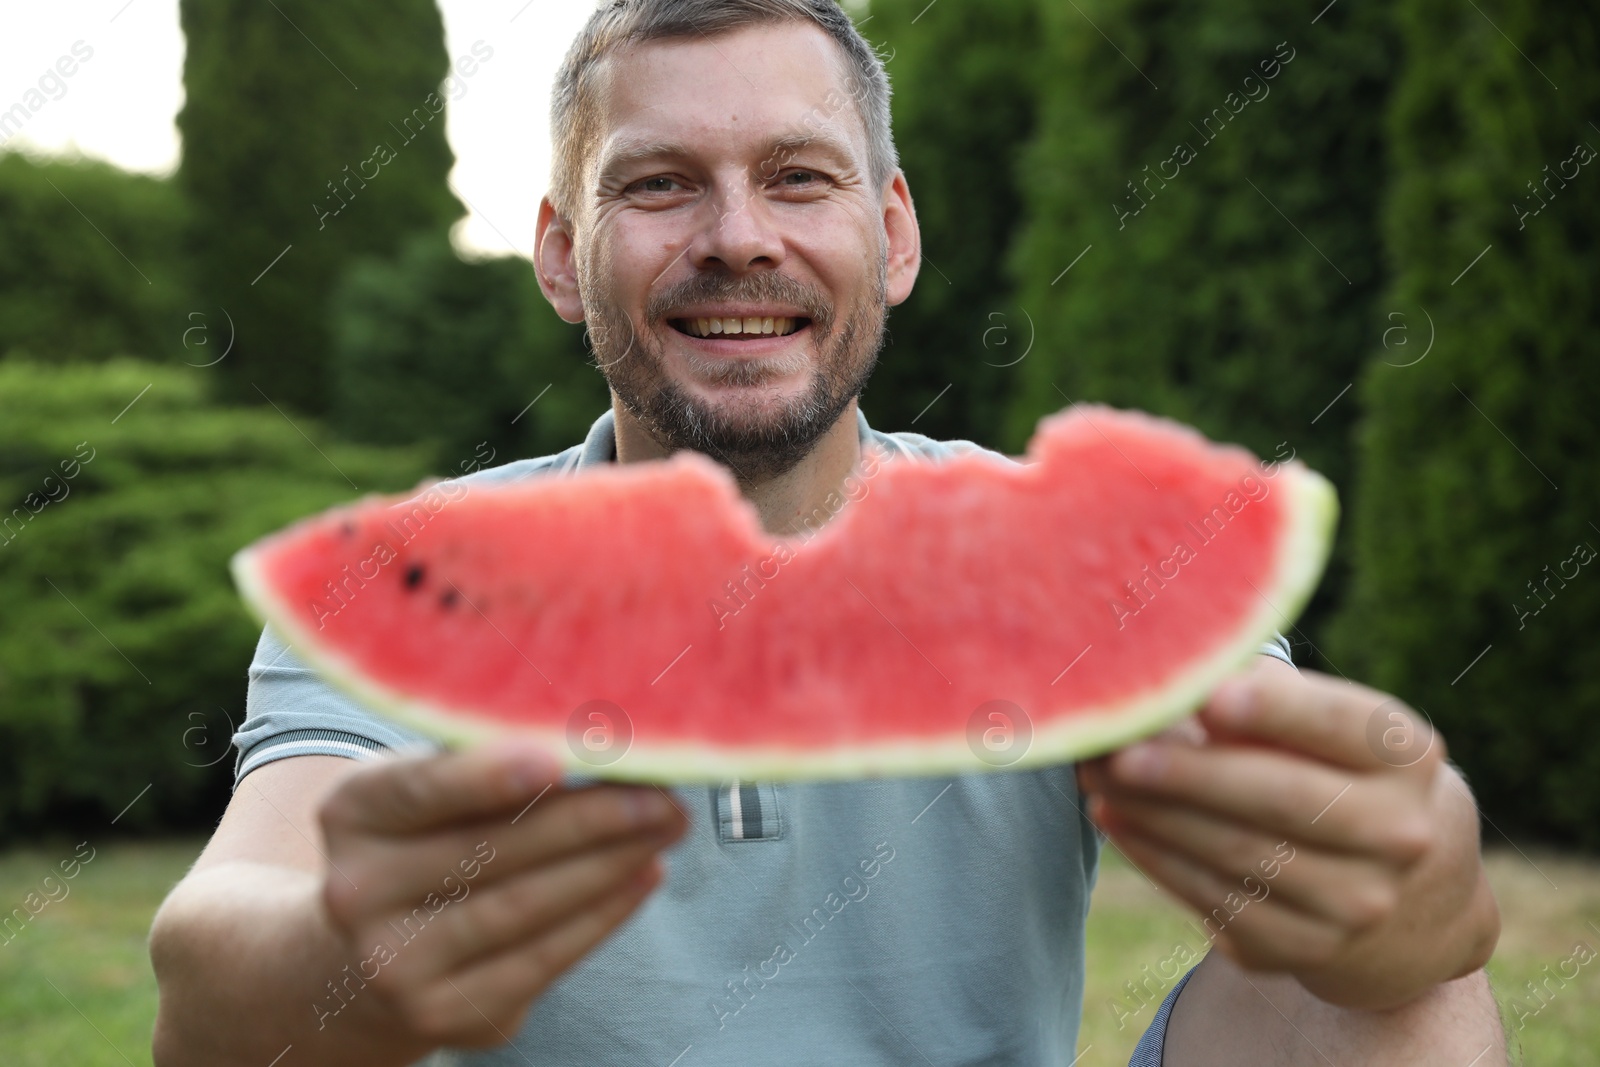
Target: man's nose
x: 738, y: 233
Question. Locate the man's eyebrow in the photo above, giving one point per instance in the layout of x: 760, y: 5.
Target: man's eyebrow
x: 801, y: 138
x: 631, y: 151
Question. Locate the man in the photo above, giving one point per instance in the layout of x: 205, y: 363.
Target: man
x: 720, y: 163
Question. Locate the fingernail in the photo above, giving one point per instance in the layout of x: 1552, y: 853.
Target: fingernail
x: 1233, y: 700
x: 1097, y: 810
x: 646, y: 875
x: 649, y: 807
x: 1143, y: 762
x: 532, y: 768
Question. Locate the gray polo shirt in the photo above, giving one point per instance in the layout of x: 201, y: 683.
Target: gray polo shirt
x: 895, y: 921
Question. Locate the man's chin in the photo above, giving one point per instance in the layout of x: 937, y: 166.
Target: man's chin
x: 758, y: 432
x: 719, y: 377
x: 766, y: 406
x: 749, y: 418
x: 759, y: 414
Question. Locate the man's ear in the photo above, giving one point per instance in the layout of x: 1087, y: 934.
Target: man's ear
x: 554, y: 262
x: 904, y: 238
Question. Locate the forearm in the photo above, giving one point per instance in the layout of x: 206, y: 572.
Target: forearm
x: 243, y: 955
x: 1444, y: 923
x: 1227, y: 1016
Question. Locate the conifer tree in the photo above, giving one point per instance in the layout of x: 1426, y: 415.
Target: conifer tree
x: 964, y: 102
x: 1477, y: 588
x: 314, y: 133
x: 1201, y: 237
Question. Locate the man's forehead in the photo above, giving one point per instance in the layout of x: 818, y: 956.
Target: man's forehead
x: 776, y: 86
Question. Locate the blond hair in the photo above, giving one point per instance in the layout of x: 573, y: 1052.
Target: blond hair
x: 617, y: 24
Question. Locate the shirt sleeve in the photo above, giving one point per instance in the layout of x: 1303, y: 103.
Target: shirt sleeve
x: 291, y: 711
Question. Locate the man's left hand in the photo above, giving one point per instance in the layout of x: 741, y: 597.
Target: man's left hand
x: 1316, y: 828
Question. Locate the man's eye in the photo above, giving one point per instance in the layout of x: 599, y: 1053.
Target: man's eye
x: 659, y: 184
x: 801, y: 177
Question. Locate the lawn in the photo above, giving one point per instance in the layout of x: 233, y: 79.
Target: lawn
x: 76, y: 987
x: 1548, y: 904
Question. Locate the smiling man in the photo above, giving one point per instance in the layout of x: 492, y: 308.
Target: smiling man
x: 727, y: 216
x: 734, y: 263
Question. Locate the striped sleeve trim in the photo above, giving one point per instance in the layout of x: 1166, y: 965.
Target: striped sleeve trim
x: 1152, y: 1047
x: 1278, y: 648
x: 307, y: 743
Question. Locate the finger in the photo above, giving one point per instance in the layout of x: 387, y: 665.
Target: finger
x: 523, y: 908
x: 578, y: 820
x: 1280, y: 794
x: 1354, y: 894
x: 394, y: 873
x: 1256, y: 934
x: 408, y: 795
x: 1189, y: 731
x: 1332, y: 719
x: 484, y: 1004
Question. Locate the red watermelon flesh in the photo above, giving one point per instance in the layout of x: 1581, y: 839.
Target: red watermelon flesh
x: 951, y: 616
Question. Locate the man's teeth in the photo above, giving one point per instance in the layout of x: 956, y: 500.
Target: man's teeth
x: 750, y: 326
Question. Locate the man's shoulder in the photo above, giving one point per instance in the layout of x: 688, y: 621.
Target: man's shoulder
x: 519, y: 469
x: 921, y: 447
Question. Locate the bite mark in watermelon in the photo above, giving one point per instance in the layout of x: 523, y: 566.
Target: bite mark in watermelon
x: 955, y: 616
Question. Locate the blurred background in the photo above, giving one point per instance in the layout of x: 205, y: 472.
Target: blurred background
x: 256, y: 259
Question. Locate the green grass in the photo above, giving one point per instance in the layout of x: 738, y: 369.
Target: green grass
x: 75, y: 982
x: 76, y: 987
x: 1546, y: 902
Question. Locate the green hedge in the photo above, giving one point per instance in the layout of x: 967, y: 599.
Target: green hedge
x: 90, y: 261
x: 122, y: 644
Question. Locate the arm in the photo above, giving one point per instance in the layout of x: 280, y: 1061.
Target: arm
x: 300, y: 922
x: 1227, y: 1016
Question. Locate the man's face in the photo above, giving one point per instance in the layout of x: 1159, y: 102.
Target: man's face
x: 732, y: 262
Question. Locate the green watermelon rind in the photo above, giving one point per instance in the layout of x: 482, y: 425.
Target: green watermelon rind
x: 1312, y: 511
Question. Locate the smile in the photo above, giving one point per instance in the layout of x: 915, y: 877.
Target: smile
x: 735, y: 328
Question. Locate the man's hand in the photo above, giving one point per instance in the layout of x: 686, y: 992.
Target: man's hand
x: 1316, y: 828
x: 470, y: 881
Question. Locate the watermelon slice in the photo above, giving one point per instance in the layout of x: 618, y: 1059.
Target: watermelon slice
x: 957, y: 616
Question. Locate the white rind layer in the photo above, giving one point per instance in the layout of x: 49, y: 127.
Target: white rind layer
x: 1312, y: 511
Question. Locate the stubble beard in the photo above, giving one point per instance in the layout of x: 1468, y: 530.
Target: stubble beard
x: 754, y: 439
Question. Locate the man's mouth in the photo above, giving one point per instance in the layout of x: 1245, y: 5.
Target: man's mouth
x: 737, y: 328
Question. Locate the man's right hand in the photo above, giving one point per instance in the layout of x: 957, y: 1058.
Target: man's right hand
x: 462, y: 885
x: 366, y: 914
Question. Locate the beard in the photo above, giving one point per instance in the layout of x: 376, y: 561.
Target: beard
x: 757, y: 436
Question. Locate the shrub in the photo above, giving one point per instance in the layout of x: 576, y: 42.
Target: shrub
x: 433, y: 349
x: 89, y: 261
x: 122, y: 644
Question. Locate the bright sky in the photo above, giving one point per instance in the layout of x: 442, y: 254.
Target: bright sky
x: 120, y: 103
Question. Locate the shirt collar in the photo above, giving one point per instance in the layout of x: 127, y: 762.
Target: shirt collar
x: 600, y: 444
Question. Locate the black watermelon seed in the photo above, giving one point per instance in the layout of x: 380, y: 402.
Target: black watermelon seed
x: 347, y: 528
x: 413, y: 577
x: 448, y: 598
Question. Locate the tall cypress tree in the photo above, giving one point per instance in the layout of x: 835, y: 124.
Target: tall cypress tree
x: 964, y: 103
x: 314, y: 133
x: 1201, y: 239
x: 1477, y: 591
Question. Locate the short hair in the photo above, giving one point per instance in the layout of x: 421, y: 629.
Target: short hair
x: 618, y: 24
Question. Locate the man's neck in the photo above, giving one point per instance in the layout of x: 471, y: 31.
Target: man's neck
x: 782, y: 500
